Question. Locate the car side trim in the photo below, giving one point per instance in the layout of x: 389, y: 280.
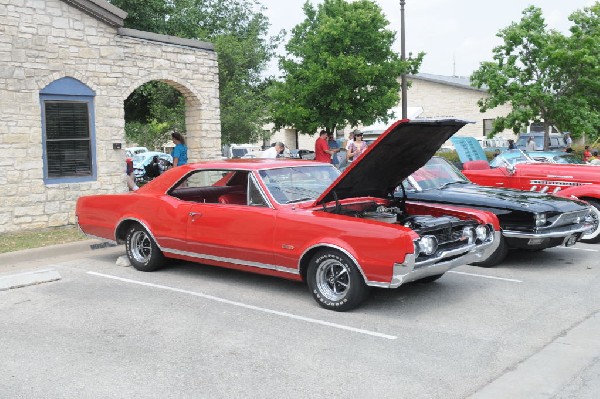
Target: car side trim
x: 231, y: 260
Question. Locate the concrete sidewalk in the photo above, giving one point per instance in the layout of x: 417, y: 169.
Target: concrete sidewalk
x: 568, y: 367
x: 11, y: 261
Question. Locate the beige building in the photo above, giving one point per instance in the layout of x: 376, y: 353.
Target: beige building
x: 451, y: 96
x: 66, y: 67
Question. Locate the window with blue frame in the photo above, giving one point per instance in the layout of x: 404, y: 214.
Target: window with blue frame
x: 68, y: 131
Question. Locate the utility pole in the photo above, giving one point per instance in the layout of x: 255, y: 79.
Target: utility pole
x: 403, y: 58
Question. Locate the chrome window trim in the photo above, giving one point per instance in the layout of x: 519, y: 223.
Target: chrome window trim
x: 252, y: 176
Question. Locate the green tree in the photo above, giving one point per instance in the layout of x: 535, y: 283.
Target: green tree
x: 238, y: 29
x: 339, y: 69
x: 537, y: 71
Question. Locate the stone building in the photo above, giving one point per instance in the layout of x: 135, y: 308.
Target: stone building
x: 66, y: 67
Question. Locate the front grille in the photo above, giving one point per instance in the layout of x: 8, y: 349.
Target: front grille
x: 569, y: 218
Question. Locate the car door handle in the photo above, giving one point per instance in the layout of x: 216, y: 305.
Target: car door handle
x: 193, y: 214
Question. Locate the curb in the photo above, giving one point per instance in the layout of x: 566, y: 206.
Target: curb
x: 28, y: 278
x: 50, y: 251
x: 550, y: 370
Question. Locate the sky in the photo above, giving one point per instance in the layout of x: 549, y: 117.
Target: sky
x: 456, y: 35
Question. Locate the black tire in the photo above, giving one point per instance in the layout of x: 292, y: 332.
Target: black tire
x: 142, y: 251
x: 335, y: 282
x: 496, y: 257
x: 594, y: 236
x: 429, y: 279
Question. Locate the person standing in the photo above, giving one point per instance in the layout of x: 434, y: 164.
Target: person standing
x: 586, y: 153
x: 357, y: 147
x: 531, y: 144
x: 333, y: 146
x: 568, y: 140
x: 350, y: 139
x: 180, y: 151
x: 274, y: 151
x: 322, y: 151
x: 511, y: 144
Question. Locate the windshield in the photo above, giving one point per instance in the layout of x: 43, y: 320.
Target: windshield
x: 238, y: 152
x: 559, y: 158
x: 298, y: 183
x: 436, y: 173
x: 510, y: 157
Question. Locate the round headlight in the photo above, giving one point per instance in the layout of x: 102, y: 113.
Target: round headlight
x: 428, y: 245
x: 469, y: 234
x: 540, y: 219
x: 482, y: 232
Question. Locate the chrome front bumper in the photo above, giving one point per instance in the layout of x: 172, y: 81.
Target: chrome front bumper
x: 409, y: 270
x: 564, y: 231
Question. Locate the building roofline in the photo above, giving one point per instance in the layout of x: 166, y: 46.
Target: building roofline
x: 101, y: 10
x: 156, y: 37
x: 453, y: 81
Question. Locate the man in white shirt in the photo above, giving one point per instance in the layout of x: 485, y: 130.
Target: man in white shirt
x: 274, y: 151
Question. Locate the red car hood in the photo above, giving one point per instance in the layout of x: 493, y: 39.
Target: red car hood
x: 402, y: 149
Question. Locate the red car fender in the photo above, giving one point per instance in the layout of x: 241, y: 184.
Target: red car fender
x: 374, y: 246
x: 581, y: 192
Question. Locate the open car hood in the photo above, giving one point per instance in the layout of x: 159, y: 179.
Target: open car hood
x: 402, y: 149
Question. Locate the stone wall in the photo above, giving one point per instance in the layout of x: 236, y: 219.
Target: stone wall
x: 44, y: 40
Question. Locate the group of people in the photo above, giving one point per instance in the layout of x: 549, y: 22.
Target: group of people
x: 327, y: 148
x: 179, y: 154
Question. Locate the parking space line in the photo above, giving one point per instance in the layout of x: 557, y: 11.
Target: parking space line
x: 252, y: 307
x: 583, y: 249
x: 484, y: 276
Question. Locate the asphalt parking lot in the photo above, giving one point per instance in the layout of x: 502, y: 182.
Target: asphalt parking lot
x: 527, y: 328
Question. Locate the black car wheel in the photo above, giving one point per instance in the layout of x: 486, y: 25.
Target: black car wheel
x: 335, y: 282
x: 142, y: 251
x: 496, y: 257
x: 594, y: 234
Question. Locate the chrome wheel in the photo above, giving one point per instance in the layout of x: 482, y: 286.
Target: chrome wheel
x: 141, y: 246
x: 593, y: 234
x: 333, y: 279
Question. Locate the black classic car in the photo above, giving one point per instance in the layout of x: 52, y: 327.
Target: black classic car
x: 529, y: 220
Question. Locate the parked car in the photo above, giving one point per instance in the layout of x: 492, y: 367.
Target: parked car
x: 529, y: 220
x: 515, y: 169
x: 143, y: 160
x: 557, y: 141
x: 301, y: 220
x: 302, y: 154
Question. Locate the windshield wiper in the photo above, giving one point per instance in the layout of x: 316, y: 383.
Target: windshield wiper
x: 453, y: 182
x: 299, y: 200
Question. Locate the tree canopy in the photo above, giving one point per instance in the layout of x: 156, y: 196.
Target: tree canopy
x: 339, y: 69
x: 544, y: 75
x: 238, y: 29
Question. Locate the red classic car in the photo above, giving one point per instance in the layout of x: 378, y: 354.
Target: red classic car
x: 301, y: 220
x: 517, y: 170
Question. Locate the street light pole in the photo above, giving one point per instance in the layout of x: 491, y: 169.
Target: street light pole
x: 403, y: 58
